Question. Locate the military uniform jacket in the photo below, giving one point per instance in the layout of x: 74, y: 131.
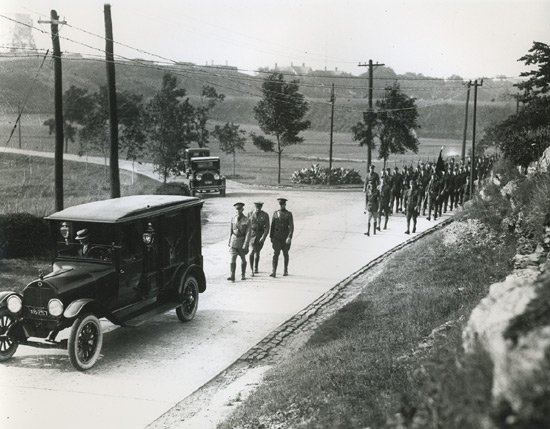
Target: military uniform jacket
x: 282, y: 225
x: 239, y: 237
x: 373, y: 200
x: 385, y: 196
x: 414, y: 197
x: 259, y: 225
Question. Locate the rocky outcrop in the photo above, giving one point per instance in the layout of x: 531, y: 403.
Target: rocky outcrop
x: 512, y: 324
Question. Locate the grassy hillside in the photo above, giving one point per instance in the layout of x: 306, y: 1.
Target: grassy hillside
x: 441, y: 103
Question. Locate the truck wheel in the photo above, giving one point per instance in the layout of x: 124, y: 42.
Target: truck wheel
x: 8, y: 345
x: 189, y: 299
x: 85, y: 342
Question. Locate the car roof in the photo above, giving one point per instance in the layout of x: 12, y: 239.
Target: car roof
x: 125, y: 209
x: 205, y: 158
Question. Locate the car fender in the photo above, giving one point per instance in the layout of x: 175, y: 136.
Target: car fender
x: 5, y: 295
x: 75, y: 307
x: 193, y: 269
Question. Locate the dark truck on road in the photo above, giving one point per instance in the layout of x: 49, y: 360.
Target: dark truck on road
x: 143, y: 258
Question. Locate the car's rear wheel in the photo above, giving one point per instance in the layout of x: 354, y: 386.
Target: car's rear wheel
x: 8, y: 345
x: 189, y: 299
x: 85, y: 342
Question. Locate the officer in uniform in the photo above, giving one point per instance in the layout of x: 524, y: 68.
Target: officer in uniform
x: 372, y: 206
x: 259, y: 229
x: 414, y: 200
x: 282, y: 228
x: 239, y: 238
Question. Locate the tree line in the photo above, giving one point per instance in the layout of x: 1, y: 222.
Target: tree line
x: 162, y: 127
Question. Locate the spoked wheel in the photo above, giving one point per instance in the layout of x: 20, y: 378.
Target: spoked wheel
x: 189, y: 299
x: 8, y: 345
x: 85, y: 342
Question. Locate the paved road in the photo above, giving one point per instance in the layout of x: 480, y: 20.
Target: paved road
x: 145, y: 371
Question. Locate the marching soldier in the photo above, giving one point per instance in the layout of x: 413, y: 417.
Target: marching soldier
x: 396, y: 190
x: 385, y: 197
x: 414, y: 200
x: 259, y: 229
x: 372, y: 205
x: 239, y: 238
x: 282, y: 228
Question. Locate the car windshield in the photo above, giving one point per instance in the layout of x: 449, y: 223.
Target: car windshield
x: 206, y: 165
x: 99, y: 252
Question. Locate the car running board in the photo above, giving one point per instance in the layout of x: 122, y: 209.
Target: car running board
x: 157, y: 310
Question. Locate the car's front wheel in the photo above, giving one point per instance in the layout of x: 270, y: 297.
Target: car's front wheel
x: 8, y: 345
x: 85, y: 342
x: 189, y: 299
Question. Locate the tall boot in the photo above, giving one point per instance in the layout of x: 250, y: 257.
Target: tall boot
x: 252, y: 264
x: 273, y: 273
x: 243, y: 270
x: 232, y: 267
x: 414, y: 225
x: 374, y: 230
x: 386, y: 223
x: 286, y: 266
x: 368, y: 229
x: 256, y: 262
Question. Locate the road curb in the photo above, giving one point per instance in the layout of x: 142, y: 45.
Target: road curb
x: 262, y: 350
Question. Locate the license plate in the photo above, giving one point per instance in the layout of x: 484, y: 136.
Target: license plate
x: 37, y: 311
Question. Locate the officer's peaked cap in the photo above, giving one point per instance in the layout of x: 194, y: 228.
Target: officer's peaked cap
x: 238, y: 205
x: 259, y: 203
x: 282, y: 200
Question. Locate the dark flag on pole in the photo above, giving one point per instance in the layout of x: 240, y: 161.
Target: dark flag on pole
x: 440, y: 165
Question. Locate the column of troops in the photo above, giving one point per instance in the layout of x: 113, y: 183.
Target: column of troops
x: 432, y: 188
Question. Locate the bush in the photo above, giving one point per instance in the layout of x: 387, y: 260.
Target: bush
x: 173, y: 188
x: 316, y: 175
x: 23, y: 235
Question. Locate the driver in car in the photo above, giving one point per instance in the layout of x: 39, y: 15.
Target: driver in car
x: 84, y: 238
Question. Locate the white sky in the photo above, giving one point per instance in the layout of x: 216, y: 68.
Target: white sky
x: 482, y: 38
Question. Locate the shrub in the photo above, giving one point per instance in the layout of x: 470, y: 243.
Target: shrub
x: 173, y: 188
x: 316, y: 175
x: 23, y: 235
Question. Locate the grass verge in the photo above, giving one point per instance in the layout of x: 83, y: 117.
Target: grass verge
x: 378, y: 362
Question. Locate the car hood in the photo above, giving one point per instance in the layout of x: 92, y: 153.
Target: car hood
x: 66, y: 276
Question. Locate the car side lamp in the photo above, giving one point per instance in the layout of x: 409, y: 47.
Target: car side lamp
x: 65, y: 231
x: 148, y: 236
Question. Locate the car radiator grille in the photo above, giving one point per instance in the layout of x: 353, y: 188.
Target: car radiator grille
x: 35, y: 300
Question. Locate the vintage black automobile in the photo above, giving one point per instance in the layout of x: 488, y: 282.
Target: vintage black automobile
x: 138, y: 256
x: 194, y: 152
x: 206, y: 175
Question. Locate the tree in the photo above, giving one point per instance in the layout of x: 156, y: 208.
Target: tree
x: 279, y: 113
x: 131, y: 120
x: 212, y: 98
x: 396, y: 123
x: 523, y: 137
x: 539, y: 79
x: 170, y: 126
x: 76, y: 106
x: 231, y: 138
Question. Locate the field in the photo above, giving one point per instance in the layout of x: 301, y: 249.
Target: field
x: 27, y: 184
x: 253, y: 165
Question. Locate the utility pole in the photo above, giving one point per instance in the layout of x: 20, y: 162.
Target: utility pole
x: 332, y: 99
x: 368, y: 116
x: 113, y: 116
x: 58, y: 101
x: 474, y: 139
x: 19, y: 125
x: 463, y: 155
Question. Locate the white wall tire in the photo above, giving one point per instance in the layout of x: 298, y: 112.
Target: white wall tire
x: 85, y: 342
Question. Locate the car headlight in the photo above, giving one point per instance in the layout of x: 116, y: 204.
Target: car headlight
x: 199, y: 176
x: 14, y: 304
x: 216, y: 176
x: 55, y: 307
